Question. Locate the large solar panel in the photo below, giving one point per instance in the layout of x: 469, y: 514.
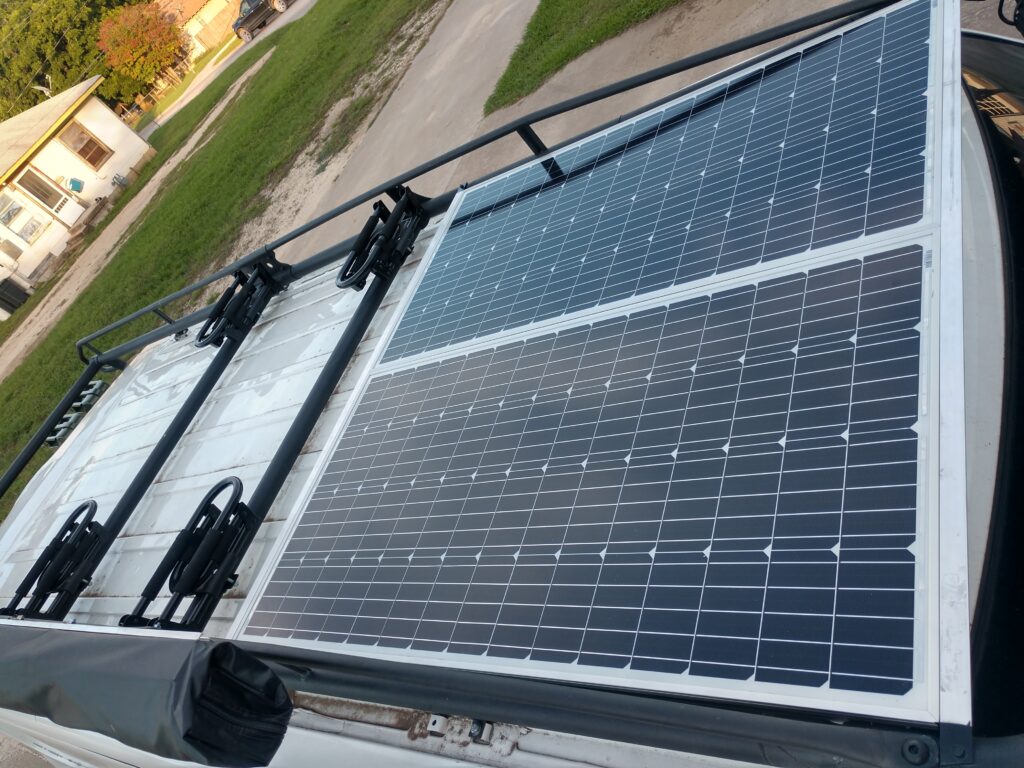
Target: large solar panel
x: 654, y: 491
x: 660, y: 418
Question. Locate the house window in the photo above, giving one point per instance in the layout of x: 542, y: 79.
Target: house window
x: 6, y: 246
x: 85, y: 145
x: 31, y: 230
x: 9, y: 209
x: 41, y: 190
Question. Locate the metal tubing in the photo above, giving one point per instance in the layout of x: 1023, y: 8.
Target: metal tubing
x: 531, y: 139
x: 302, y: 427
x: 169, y: 440
x: 39, y: 438
x: 303, y: 269
x: 121, y: 351
x: 129, y: 501
x: 227, y: 271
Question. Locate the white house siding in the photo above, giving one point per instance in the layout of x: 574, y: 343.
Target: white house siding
x: 60, y: 165
x: 52, y: 239
x: 212, y: 23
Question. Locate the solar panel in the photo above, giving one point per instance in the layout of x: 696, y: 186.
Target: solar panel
x: 661, y: 419
x: 821, y: 147
x: 654, y: 491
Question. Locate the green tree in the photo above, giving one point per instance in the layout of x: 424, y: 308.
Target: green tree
x: 50, y: 44
x: 140, y: 41
x: 119, y: 87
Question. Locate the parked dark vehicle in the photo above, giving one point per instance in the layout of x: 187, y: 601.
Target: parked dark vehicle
x: 253, y: 14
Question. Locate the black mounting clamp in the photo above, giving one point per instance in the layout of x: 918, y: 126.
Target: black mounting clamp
x: 240, y: 306
x: 385, y: 240
x: 1017, y: 20
x: 202, y: 562
x: 60, y: 571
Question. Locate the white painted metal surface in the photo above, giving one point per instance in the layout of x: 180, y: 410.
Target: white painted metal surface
x: 235, y: 433
x: 954, y: 655
x: 332, y: 732
x: 985, y: 295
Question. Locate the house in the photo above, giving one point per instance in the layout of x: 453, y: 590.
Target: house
x: 60, y: 161
x: 206, y: 22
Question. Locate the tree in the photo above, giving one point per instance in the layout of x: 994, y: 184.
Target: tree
x: 119, y: 87
x: 140, y: 41
x: 50, y: 44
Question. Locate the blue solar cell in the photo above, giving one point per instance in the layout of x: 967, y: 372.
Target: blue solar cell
x: 821, y: 147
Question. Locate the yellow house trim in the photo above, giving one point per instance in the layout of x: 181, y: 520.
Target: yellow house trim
x: 68, y: 113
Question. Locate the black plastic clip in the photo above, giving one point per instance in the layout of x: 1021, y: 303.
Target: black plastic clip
x: 240, y: 306
x: 1017, y: 20
x: 385, y: 240
x: 358, y: 261
x: 202, y: 562
x: 56, y: 573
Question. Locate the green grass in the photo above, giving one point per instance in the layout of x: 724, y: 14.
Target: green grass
x: 228, y: 48
x: 560, y: 31
x: 206, y: 200
x: 175, y: 92
x: 345, y: 127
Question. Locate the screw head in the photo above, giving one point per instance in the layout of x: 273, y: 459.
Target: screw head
x: 915, y: 752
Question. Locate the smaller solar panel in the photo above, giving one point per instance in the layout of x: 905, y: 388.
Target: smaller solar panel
x: 821, y: 147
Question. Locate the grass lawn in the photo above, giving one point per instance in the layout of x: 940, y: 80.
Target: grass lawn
x: 174, y: 93
x: 207, y: 199
x: 560, y: 31
x: 228, y: 48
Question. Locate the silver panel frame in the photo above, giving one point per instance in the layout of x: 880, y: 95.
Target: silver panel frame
x: 953, y: 586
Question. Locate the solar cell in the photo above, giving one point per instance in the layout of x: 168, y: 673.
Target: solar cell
x: 823, y: 146
x: 724, y: 486
x: 659, y: 420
